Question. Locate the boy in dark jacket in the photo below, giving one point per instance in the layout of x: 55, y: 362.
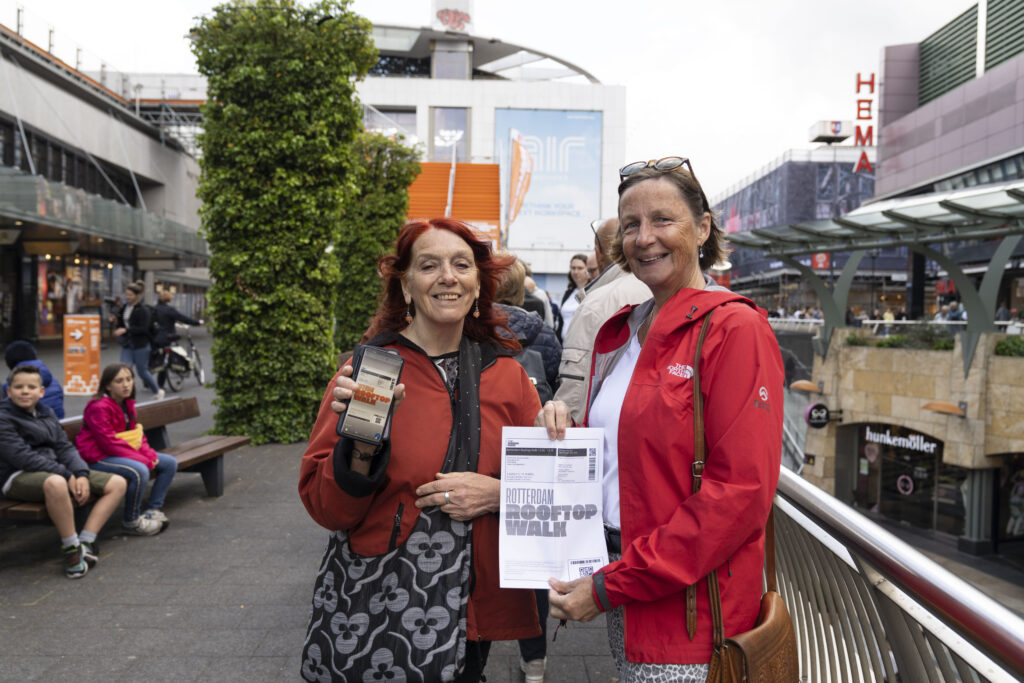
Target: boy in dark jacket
x: 39, y: 464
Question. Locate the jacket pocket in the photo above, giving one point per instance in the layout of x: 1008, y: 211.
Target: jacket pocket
x: 396, y: 528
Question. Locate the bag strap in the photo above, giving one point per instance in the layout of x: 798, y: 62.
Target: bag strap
x: 699, y: 457
x: 697, y: 469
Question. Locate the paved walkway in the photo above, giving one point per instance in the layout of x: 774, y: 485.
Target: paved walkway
x: 223, y: 593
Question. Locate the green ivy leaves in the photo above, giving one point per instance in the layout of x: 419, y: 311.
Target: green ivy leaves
x: 277, y: 165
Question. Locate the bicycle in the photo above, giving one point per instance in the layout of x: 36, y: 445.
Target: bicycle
x: 174, y: 363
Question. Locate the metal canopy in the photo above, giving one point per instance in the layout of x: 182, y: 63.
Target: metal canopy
x: 977, y: 213
x: 991, y: 211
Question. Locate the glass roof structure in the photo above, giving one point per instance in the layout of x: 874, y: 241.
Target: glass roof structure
x: 976, y: 213
x: 918, y: 222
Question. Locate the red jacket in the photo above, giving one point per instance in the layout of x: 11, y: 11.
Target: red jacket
x: 366, y: 506
x: 671, y: 537
x: 101, y: 420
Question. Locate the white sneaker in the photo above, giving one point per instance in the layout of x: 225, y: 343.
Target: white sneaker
x: 157, y: 515
x: 534, y: 669
x: 159, y: 396
x: 143, y: 526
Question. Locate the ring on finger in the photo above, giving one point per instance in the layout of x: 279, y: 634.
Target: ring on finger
x: 447, y: 497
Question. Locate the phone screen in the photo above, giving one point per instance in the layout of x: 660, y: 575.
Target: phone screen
x: 369, y: 411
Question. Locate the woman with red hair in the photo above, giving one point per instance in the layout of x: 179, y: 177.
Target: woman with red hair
x: 431, y: 488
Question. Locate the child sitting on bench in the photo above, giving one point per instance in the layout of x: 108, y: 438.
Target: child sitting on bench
x: 39, y: 464
x: 112, y: 440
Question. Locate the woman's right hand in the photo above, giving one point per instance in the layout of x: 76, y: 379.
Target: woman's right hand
x: 119, y: 331
x: 345, y: 387
x: 554, y: 416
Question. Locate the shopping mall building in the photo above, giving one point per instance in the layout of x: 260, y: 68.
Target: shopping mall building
x: 930, y: 439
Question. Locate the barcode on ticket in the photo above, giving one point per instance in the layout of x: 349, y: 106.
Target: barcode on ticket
x: 580, y: 568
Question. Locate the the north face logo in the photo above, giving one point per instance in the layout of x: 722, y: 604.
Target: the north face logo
x: 680, y: 370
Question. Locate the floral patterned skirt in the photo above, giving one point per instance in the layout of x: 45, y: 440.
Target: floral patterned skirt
x: 398, y: 617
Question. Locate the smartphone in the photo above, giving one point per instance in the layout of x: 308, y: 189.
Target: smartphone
x: 367, y: 416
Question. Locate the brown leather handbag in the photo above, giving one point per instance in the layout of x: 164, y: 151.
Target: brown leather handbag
x: 767, y: 653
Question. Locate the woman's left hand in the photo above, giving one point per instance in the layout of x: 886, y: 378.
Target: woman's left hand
x: 554, y: 416
x: 573, y: 600
x: 470, y: 494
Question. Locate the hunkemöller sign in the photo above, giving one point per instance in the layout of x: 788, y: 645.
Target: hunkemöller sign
x: 914, y: 442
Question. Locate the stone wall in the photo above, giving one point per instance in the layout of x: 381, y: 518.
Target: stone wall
x: 884, y: 385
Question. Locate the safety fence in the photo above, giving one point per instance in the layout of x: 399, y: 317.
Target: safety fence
x: 869, y: 607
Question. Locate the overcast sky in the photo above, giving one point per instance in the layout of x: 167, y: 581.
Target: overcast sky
x: 730, y: 83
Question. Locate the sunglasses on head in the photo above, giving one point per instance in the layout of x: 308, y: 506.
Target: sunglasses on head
x: 665, y: 165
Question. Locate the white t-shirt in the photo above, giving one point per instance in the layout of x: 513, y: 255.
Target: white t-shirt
x: 605, y: 413
x: 568, y: 308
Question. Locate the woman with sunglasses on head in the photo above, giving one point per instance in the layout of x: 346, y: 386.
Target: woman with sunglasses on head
x: 460, y: 384
x: 665, y: 531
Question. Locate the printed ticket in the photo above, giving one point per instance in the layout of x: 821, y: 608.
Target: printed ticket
x: 550, y: 516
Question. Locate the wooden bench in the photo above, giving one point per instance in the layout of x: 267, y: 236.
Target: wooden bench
x: 203, y: 454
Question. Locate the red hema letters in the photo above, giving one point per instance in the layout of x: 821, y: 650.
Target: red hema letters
x: 864, y: 137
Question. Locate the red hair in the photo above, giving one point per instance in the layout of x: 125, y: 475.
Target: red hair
x: 392, y: 309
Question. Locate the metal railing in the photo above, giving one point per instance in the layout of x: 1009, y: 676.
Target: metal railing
x: 33, y: 198
x: 868, y: 607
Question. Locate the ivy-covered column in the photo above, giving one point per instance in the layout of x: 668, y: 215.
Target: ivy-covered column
x: 370, y: 223
x: 280, y: 118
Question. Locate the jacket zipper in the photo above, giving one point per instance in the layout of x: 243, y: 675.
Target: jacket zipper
x: 396, y: 528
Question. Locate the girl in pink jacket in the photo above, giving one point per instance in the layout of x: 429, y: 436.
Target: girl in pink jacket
x: 111, y: 440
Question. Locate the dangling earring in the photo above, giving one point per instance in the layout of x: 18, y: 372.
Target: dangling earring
x: 476, y: 308
x: 408, y: 315
x: 700, y: 252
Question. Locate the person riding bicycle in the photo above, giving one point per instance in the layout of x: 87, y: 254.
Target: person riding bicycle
x: 166, y: 316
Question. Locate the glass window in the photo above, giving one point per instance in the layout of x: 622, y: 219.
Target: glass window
x: 949, y: 499
x: 451, y: 64
x: 1011, y: 498
x: 908, y: 486
x: 450, y: 129
x: 390, y: 122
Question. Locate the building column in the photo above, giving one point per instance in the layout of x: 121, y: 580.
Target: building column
x: 977, y: 536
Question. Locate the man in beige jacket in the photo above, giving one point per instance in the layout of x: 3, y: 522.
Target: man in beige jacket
x: 607, y: 293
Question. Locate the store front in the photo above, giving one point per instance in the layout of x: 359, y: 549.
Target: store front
x: 1010, y: 520
x: 898, y: 473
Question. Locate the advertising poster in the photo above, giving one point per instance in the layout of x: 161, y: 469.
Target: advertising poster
x: 564, y: 190
x: 81, y: 354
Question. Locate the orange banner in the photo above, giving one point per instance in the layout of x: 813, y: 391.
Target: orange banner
x: 81, y: 354
x: 519, y: 175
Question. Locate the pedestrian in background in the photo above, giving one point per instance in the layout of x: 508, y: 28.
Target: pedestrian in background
x: 574, y: 291
x: 133, y: 333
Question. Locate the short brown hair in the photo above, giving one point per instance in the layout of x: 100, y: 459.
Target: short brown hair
x: 24, y: 369
x: 165, y: 297
x: 693, y: 194
x: 511, y: 288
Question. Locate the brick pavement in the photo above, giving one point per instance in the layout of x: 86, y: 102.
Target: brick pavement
x: 222, y: 594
